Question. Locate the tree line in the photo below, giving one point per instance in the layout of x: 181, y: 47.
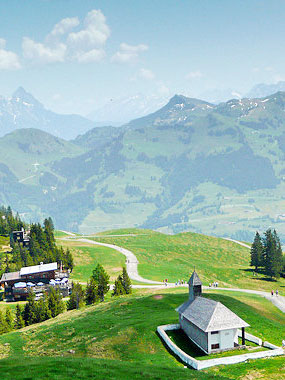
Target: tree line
x: 266, y: 254
x: 49, y: 306
x: 42, y: 248
x: 9, y: 222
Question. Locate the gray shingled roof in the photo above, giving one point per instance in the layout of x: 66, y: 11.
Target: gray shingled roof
x: 38, y: 269
x: 12, y: 276
x: 194, y: 279
x: 210, y: 315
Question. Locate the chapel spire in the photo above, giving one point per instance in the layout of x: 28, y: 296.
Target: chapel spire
x: 195, y: 286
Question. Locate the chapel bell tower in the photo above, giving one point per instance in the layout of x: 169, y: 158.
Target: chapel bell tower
x: 195, y: 286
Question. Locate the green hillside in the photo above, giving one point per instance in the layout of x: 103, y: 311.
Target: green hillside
x: 117, y: 339
x: 173, y: 257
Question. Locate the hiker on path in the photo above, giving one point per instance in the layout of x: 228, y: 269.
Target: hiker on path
x: 283, y: 343
x: 272, y: 293
x: 276, y: 292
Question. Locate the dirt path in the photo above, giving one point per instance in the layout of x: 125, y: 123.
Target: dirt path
x: 131, y: 260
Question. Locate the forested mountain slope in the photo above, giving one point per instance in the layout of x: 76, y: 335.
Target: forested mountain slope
x: 216, y: 169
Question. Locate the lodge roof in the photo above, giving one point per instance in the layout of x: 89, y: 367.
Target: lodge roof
x: 194, y: 279
x: 38, y: 269
x: 12, y: 276
x: 209, y: 315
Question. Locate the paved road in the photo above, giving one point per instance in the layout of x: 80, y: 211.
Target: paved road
x: 132, y: 269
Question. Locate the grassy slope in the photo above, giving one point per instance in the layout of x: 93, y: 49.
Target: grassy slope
x: 174, y: 257
x: 87, y: 256
x: 123, y: 330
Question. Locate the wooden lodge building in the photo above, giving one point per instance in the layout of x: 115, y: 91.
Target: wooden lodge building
x: 16, y: 284
x: 207, y: 323
x: 22, y: 237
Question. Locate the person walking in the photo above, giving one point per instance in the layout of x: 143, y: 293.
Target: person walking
x: 276, y: 292
x: 272, y: 293
x: 283, y: 343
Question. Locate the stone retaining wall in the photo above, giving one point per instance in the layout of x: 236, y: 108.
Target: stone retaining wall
x: 201, y: 364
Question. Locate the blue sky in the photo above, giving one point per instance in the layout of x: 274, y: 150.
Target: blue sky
x: 76, y: 55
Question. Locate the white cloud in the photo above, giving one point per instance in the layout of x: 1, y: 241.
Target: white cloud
x: 146, y: 74
x: 41, y: 53
x: 194, y: 75
x: 2, y: 43
x: 64, y: 26
x: 8, y: 59
x: 94, y: 34
x: 94, y: 55
x: 128, y: 53
x: 62, y: 44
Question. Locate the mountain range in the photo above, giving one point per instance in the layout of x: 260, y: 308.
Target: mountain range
x: 22, y: 110
x: 191, y: 165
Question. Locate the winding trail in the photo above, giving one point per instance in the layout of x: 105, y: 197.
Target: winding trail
x: 131, y: 260
x: 132, y: 269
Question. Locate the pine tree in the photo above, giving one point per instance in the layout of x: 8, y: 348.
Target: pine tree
x: 118, y: 287
x: 76, y: 299
x: 272, y: 254
x: 30, y: 312
x: 3, y: 324
x: 55, y: 303
x: 91, y: 292
x: 126, y: 281
x: 256, y: 252
x: 9, y: 319
x: 42, y: 310
x: 19, y: 321
x: 277, y: 261
x: 101, y: 279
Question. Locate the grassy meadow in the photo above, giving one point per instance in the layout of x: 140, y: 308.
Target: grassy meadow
x: 174, y: 257
x: 117, y: 340
x: 86, y: 256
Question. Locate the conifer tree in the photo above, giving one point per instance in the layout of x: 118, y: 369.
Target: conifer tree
x: 42, y: 310
x: 256, y: 252
x: 101, y: 279
x: 126, y: 281
x: 118, y: 287
x: 19, y: 321
x: 3, y: 324
x: 30, y: 313
x: 55, y: 303
x: 9, y: 319
x: 76, y: 299
x: 91, y: 292
x: 272, y: 254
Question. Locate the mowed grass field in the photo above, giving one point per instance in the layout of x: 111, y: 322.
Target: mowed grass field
x: 175, y: 256
x: 117, y: 340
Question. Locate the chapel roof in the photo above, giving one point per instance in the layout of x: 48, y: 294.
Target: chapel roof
x: 209, y: 315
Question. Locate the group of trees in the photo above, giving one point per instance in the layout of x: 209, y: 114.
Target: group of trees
x: 97, y: 287
x: 266, y: 253
x: 33, y: 312
x: 42, y: 248
x: 9, y: 222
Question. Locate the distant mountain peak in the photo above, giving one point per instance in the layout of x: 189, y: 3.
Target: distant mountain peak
x: 26, y: 97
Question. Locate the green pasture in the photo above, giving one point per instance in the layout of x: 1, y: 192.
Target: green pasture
x: 117, y: 339
x: 174, y: 257
x: 87, y: 256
